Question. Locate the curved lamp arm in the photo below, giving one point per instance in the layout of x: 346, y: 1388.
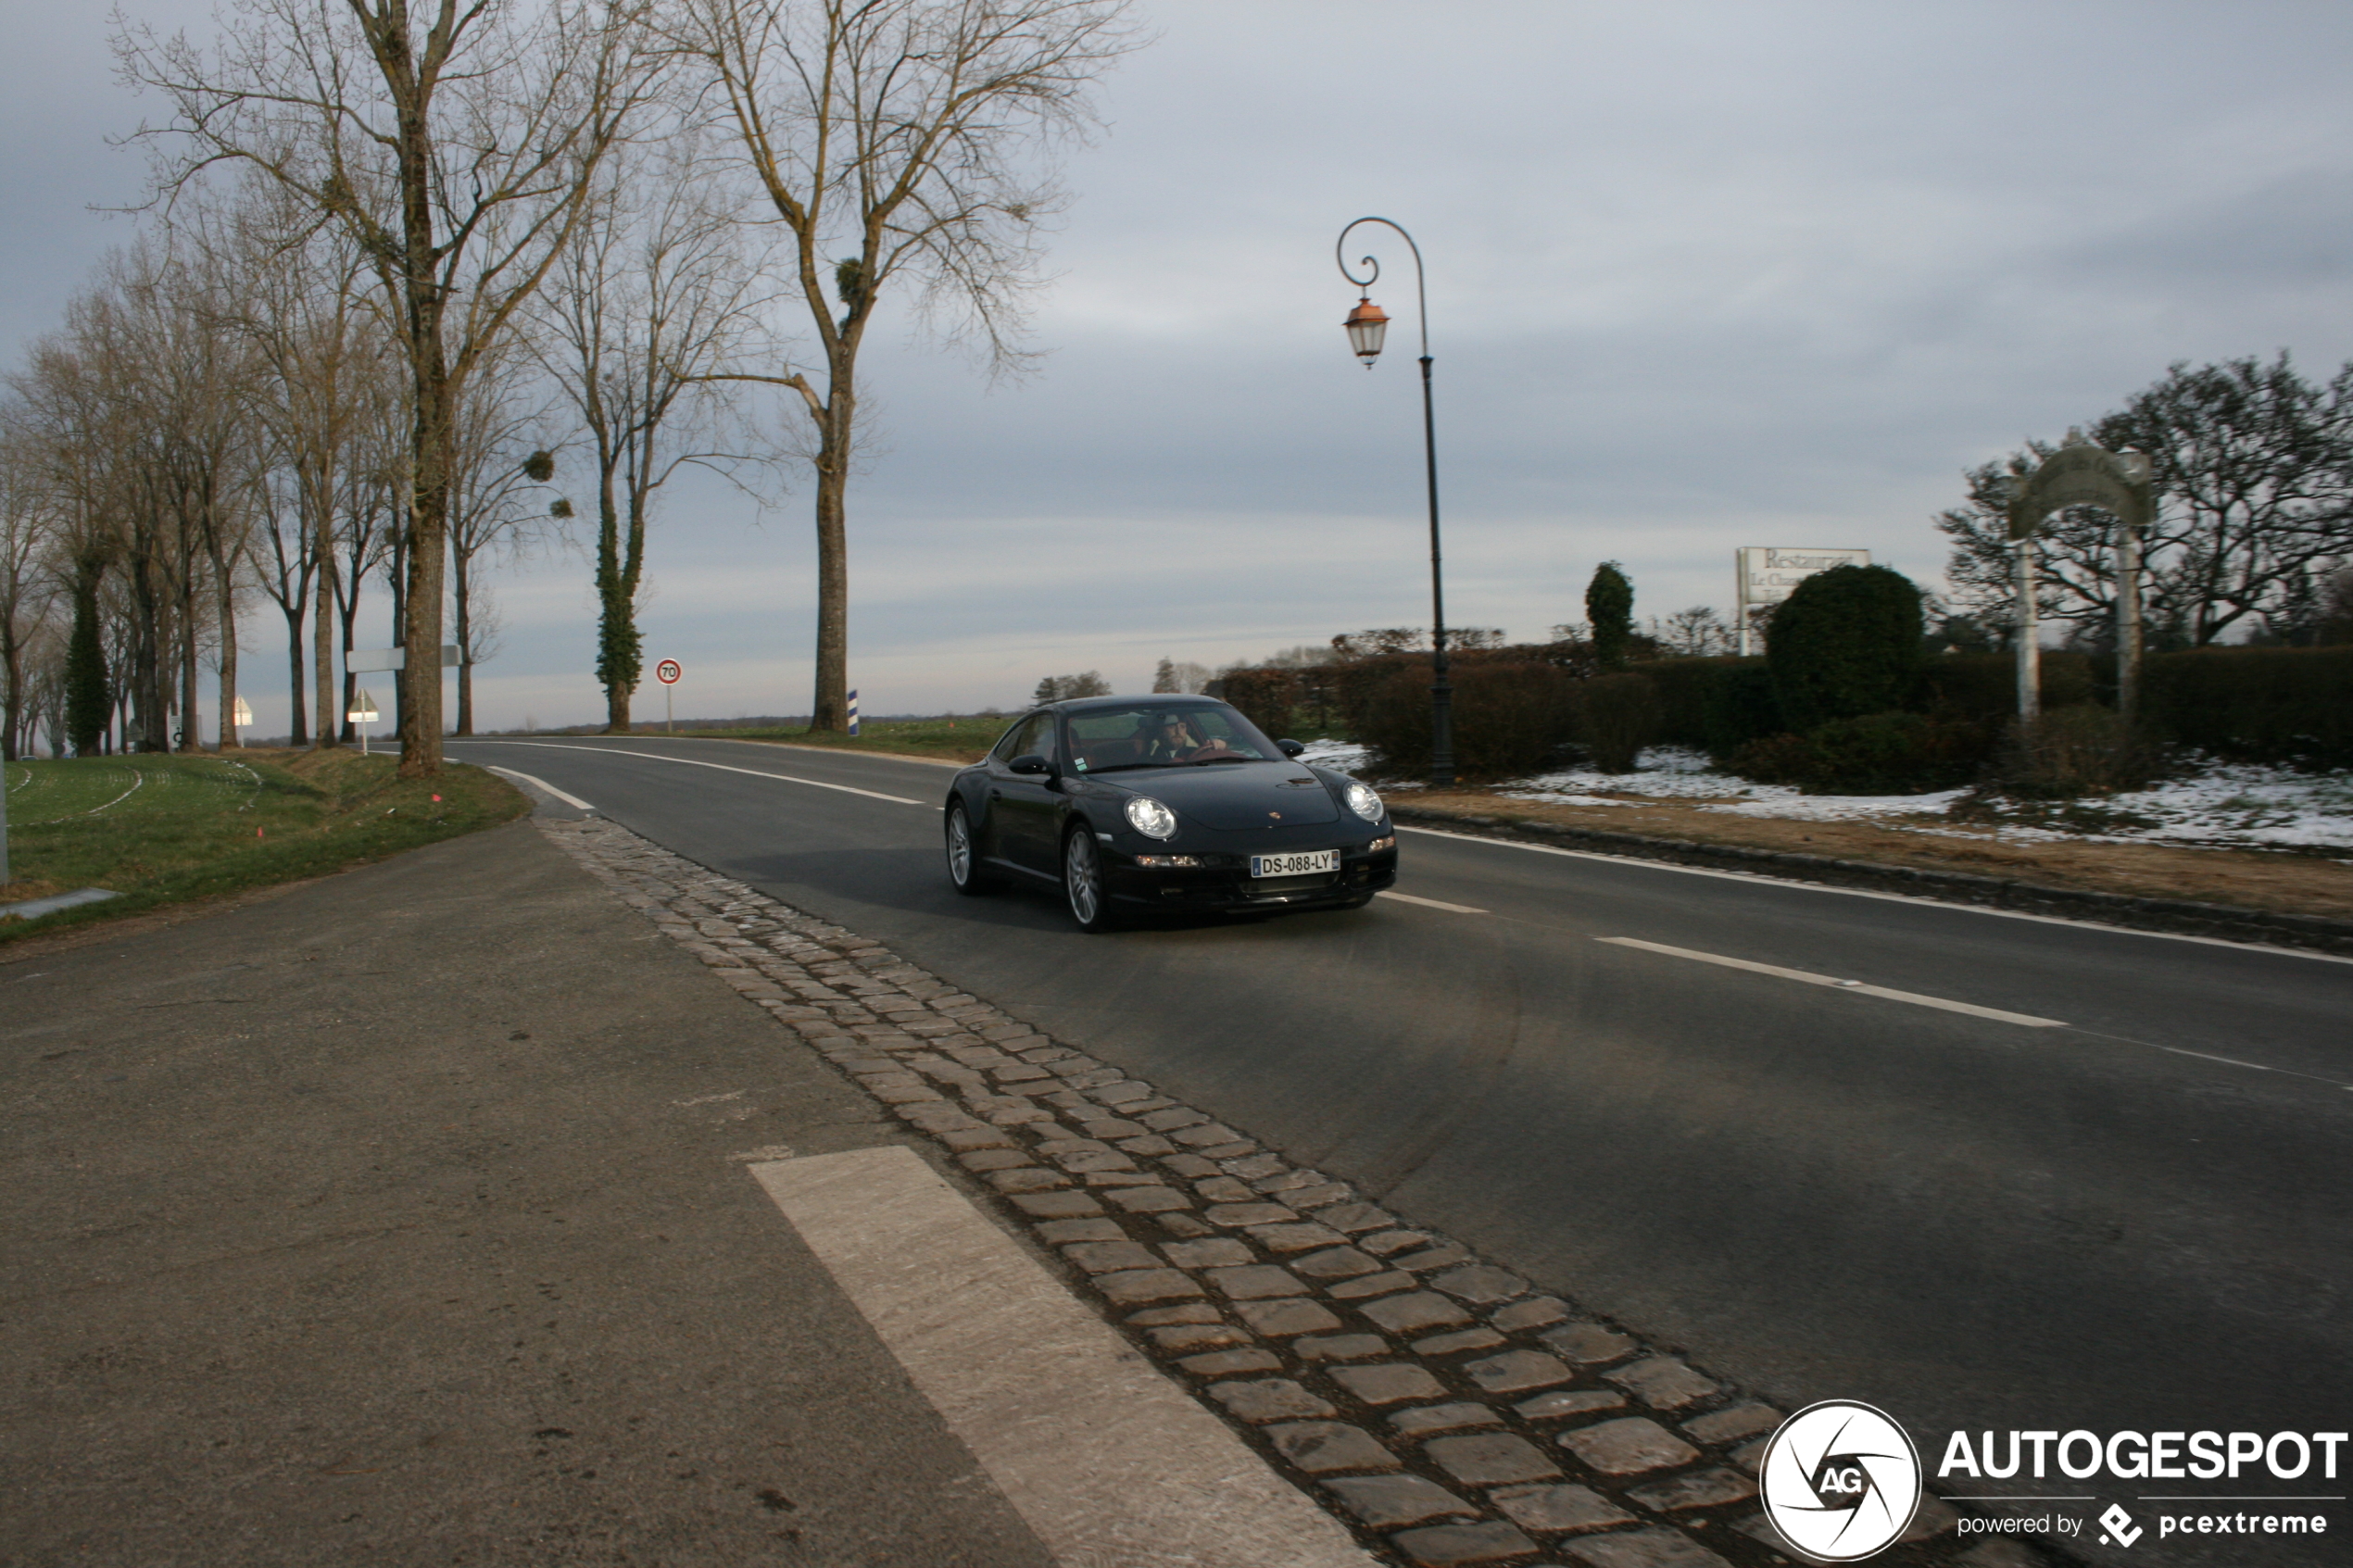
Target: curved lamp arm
x: 1372, y: 270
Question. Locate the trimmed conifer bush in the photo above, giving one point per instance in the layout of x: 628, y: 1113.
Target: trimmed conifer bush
x: 1845, y: 643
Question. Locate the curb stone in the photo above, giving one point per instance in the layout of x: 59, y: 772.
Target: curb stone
x: 2176, y: 916
x: 1445, y: 1409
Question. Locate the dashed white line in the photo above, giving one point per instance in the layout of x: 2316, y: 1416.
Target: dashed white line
x: 695, y: 762
x: 1104, y: 1457
x: 1430, y: 903
x: 1761, y: 879
x: 1856, y: 987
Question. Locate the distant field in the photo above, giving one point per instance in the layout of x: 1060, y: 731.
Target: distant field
x: 951, y: 740
x: 164, y: 829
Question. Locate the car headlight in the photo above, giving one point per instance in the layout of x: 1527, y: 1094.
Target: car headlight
x: 1149, y: 818
x: 1363, y: 801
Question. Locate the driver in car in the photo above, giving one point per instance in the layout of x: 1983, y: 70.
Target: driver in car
x: 1170, y: 739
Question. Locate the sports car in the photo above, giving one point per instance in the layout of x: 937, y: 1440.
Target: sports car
x: 1175, y: 803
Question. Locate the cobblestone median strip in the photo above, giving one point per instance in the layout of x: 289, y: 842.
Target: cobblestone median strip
x: 1442, y: 1407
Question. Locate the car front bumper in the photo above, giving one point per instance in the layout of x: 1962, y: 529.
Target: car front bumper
x: 1224, y: 882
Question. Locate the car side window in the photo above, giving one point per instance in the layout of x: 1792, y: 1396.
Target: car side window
x: 1012, y: 745
x: 1042, y: 742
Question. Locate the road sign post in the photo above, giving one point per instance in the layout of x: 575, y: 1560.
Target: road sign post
x: 363, y: 713
x: 853, y: 713
x: 667, y: 672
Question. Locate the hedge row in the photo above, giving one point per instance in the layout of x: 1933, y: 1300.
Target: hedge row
x: 2257, y: 705
x: 1516, y: 709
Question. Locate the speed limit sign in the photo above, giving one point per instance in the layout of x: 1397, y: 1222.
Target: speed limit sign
x: 667, y: 671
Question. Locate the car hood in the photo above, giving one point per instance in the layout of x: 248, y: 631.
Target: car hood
x: 1235, y: 795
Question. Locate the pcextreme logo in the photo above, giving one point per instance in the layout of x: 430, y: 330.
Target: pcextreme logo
x: 1840, y: 1481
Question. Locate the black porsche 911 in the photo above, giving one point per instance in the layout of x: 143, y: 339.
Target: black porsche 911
x: 1174, y: 803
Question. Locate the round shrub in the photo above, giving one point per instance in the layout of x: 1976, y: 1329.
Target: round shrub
x: 1844, y: 644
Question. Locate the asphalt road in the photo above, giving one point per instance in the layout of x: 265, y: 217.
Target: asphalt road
x: 2138, y: 1220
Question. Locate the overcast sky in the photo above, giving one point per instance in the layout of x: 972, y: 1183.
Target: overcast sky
x: 1701, y: 275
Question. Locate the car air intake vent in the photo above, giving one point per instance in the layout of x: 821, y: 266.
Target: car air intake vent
x: 1292, y: 884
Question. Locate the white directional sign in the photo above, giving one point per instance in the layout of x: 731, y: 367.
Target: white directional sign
x: 1765, y: 574
x: 364, y: 660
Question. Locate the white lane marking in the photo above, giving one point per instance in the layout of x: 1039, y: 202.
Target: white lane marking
x: 1760, y: 879
x: 1856, y: 987
x: 1104, y: 1457
x: 1430, y: 903
x: 695, y: 762
x: 572, y: 800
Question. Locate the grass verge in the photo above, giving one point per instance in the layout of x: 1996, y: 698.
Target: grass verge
x: 162, y: 830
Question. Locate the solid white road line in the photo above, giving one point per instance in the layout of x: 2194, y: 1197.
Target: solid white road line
x: 694, y: 763
x: 1105, y: 1459
x: 1430, y: 903
x: 1856, y: 987
x: 572, y: 800
x: 1760, y: 878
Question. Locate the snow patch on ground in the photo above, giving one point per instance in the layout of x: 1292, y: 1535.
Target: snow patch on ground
x: 2225, y: 805
x: 1344, y: 756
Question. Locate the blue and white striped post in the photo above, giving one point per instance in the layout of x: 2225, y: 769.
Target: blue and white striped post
x: 853, y: 713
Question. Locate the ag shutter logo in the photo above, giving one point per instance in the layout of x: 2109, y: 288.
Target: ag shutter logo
x: 1840, y: 1481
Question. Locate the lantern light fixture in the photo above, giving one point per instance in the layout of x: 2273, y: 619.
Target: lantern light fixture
x: 1368, y: 325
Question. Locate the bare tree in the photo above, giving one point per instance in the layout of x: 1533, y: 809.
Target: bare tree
x: 302, y: 303
x: 2254, y: 472
x: 640, y: 324
x: 454, y: 148
x: 1173, y: 675
x: 1697, y: 632
x: 496, y: 506
x: 909, y: 134
x: 27, y: 589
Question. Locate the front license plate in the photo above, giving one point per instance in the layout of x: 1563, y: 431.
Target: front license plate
x: 1305, y: 864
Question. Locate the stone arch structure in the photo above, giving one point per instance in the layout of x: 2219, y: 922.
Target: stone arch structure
x: 2080, y: 474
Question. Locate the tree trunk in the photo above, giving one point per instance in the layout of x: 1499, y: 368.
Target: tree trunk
x: 829, y: 706
x: 428, y: 542
x: 189, y: 739
x: 461, y: 584
x: 323, y: 636
x: 298, y: 711
x: 620, y: 647
x: 225, y: 587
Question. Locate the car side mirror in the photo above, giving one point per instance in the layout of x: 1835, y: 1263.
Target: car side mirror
x: 1030, y: 762
x: 1288, y: 747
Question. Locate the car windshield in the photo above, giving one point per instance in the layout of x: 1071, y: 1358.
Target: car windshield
x: 1150, y: 734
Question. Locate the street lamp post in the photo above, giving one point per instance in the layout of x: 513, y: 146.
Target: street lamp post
x: 1367, y: 324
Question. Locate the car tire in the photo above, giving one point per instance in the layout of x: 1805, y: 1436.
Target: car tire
x: 1083, y: 887
x: 964, y: 873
